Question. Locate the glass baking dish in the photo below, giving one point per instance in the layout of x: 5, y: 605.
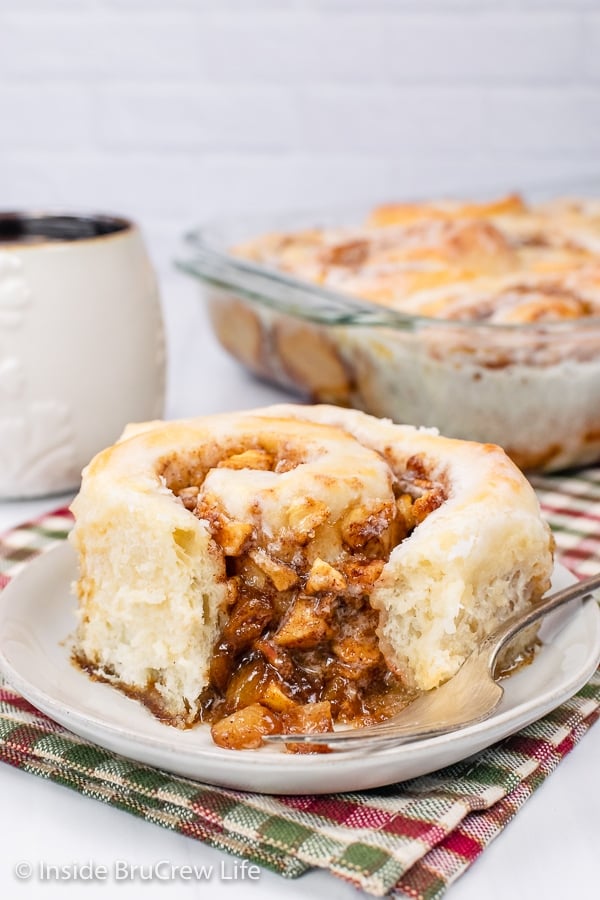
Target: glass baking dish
x: 532, y: 388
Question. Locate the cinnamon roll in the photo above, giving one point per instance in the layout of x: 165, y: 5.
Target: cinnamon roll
x: 286, y: 568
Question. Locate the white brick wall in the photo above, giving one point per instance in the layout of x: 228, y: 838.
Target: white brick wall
x: 173, y: 111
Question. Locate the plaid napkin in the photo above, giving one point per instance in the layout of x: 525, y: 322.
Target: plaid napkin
x: 406, y: 840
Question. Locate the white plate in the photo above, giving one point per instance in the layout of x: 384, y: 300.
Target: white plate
x: 36, y: 619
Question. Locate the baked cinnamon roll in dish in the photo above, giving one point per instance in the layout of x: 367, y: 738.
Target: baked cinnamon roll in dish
x: 283, y: 569
x: 480, y: 319
x: 403, y: 251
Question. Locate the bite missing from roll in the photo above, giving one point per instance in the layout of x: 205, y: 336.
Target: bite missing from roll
x: 286, y: 568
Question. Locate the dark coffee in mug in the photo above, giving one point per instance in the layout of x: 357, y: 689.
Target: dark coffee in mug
x: 17, y: 228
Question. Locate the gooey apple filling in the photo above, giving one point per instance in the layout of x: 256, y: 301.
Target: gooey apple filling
x: 298, y: 647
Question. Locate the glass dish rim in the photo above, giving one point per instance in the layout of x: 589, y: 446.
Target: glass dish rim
x: 268, y: 287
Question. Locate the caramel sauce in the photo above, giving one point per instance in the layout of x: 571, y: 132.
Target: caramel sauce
x: 148, y: 695
x: 521, y: 661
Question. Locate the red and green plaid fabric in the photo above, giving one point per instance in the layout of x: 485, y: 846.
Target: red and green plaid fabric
x: 409, y: 840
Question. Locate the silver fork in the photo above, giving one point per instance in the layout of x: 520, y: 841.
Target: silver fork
x: 468, y: 697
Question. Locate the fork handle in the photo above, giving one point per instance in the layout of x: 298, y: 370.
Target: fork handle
x: 496, y: 641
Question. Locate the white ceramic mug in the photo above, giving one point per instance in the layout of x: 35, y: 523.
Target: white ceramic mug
x: 81, y: 345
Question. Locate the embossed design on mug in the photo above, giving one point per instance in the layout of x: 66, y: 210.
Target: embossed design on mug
x: 36, y: 436
x: 36, y: 448
x: 15, y: 295
x: 12, y: 378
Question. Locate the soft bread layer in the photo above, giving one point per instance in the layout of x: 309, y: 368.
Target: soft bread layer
x: 153, y: 585
x: 150, y: 589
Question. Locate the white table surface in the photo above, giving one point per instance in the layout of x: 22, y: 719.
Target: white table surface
x: 550, y: 850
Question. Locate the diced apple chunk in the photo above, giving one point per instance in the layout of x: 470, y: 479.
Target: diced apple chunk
x: 276, y: 656
x: 249, y: 459
x: 306, y: 515
x: 274, y: 698
x: 244, y: 729
x: 311, y: 718
x: 233, y: 536
x: 302, y: 627
x: 404, y: 504
x: 246, y: 685
x: 362, y: 523
x: 282, y: 576
x: 361, y: 654
x: 189, y: 497
x: 323, y: 577
x: 247, y: 621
